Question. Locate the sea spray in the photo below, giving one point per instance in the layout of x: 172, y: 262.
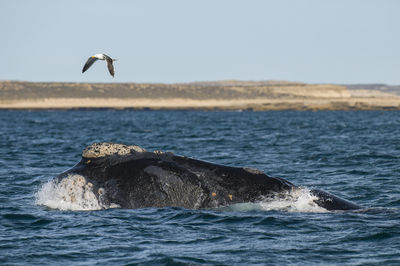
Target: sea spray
x: 70, y: 193
x: 296, y: 200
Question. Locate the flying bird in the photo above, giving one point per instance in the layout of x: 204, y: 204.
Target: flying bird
x: 96, y: 57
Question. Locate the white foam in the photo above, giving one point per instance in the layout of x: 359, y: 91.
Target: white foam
x: 72, y: 193
x: 295, y: 200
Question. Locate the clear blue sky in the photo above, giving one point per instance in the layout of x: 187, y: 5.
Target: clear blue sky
x: 180, y: 41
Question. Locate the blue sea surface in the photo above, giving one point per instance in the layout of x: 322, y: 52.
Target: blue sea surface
x: 354, y: 155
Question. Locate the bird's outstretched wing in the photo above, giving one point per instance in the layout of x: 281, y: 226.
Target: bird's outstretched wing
x: 110, y: 65
x: 88, y: 63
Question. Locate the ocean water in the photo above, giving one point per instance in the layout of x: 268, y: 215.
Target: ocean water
x: 354, y: 155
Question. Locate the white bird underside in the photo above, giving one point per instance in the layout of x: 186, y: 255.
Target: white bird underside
x: 96, y: 57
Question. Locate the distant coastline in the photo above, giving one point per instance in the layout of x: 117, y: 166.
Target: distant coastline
x: 215, y: 95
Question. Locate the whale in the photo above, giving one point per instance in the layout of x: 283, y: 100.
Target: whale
x: 131, y: 177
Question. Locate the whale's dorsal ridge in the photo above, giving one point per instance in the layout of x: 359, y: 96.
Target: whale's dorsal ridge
x: 253, y: 170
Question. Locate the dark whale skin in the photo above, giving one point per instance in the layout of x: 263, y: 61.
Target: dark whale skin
x: 134, y: 178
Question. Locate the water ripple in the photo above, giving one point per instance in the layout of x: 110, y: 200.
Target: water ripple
x: 352, y: 154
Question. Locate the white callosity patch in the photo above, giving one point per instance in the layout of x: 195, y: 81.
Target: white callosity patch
x: 71, y: 193
x: 98, y: 150
x: 295, y: 200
